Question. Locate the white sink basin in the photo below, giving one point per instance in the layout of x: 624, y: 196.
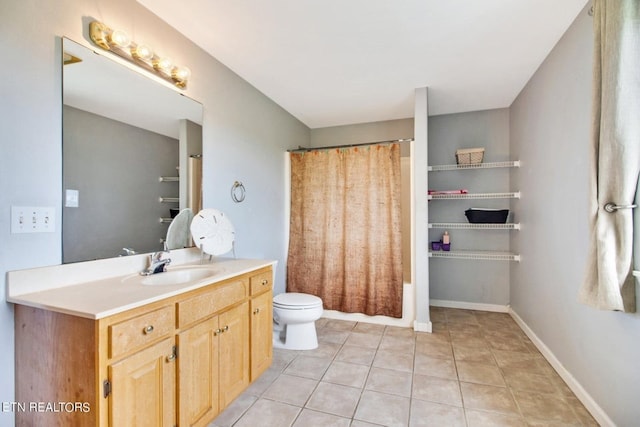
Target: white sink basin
x: 178, y: 276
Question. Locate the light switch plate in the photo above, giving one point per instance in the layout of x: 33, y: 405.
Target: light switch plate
x: 31, y: 219
x: 71, y: 198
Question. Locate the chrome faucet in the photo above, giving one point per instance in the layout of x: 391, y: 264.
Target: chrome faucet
x: 158, y: 262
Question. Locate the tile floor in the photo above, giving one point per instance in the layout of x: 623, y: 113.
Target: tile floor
x: 476, y: 369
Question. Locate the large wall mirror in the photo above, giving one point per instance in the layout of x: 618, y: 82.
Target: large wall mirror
x: 132, y: 151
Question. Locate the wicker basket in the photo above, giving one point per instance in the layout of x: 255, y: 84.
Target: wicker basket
x: 469, y: 156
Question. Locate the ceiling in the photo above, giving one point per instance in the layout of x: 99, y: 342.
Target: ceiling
x: 335, y: 62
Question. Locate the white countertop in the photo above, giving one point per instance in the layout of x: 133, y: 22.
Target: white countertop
x: 99, y: 289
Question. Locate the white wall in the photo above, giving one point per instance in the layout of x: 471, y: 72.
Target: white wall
x: 245, y: 135
x: 550, y: 135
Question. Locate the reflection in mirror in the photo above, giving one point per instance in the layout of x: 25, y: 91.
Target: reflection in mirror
x: 132, y: 157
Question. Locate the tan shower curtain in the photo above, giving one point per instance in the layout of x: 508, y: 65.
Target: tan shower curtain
x: 615, y: 168
x: 345, y: 239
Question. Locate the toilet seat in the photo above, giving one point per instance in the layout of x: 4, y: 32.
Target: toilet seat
x: 296, y: 301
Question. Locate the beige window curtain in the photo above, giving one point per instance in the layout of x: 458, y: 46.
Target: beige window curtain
x: 609, y: 284
x: 345, y: 238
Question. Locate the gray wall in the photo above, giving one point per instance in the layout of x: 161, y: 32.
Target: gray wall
x: 245, y: 135
x: 550, y: 134
x: 362, y: 132
x: 474, y: 281
x: 115, y: 167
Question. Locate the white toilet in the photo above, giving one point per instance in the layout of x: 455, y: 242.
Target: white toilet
x: 294, y: 321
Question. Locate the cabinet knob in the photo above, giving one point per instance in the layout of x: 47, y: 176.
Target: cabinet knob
x: 256, y: 311
x: 217, y: 331
x: 265, y: 282
x: 147, y: 329
x: 225, y: 329
x: 171, y: 357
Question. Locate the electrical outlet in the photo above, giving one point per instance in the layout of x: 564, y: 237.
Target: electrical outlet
x: 29, y: 219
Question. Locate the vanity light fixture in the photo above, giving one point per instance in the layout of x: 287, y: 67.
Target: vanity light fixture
x: 118, y: 42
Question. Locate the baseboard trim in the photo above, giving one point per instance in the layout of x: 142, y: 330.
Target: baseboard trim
x: 596, y: 411
x: 469, y: 305
x: 422, y: 326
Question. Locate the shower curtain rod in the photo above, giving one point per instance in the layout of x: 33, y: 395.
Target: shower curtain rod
x: 348, y: 145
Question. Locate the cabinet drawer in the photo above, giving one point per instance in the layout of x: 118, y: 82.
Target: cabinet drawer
x: 261, y: 282
x: 211, y: 301
x: 139, y: 331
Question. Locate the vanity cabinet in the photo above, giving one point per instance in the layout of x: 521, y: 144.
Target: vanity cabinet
x: 261, y: 323
x: 174, y: 362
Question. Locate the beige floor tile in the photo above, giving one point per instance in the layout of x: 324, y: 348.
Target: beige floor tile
x: 332, y: 336
x: 538, y: 406
x: 389, y: 381
x: 436, y: 390
x: 339, y: 325
x: 309, y: 418
x: 435, y: 349
x: 430, y: 377
x: 508, y: 343
x: 291, y: 389
x: 468, y: 339
x: 465, y: 353
x: 359, y: 355
x: 581, y: 412
x: 334, y: 399
x: 308, y: 367
x: 326, y: 350
x: 493, y: 419
x: 488, y: 398
x: 523, y: 379
x: 268, y: 413
x: 425, y: 337
x: 461, y: 316
x: 429, y: 414
x: 234, y: 411
x: 473, y: 372
x: 465, y: 328
x: 392, y: 360
x: 383, y: 409
x: 348, y: 374
x: 397, y: 331
x: 369, y: 328
x: 439, y: 327
x: 263, y: 382
x: 365, y: 340
x: 435, y: 367
x: 399, y: 344
x: 358, y: 423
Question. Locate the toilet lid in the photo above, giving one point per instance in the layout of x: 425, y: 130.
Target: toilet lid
x: 295, y: 299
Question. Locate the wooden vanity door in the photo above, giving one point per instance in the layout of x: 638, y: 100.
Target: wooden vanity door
x: 198, y: 374
x: 234, y: 353
x: 261, y: 334
x: 143, y: 388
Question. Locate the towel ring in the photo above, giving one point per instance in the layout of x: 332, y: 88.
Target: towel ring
x: 238, y: 192
x: 612, y: 207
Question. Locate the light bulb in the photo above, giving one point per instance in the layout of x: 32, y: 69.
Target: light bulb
x: 163, y: 64
x: 119, y: 38
x: 142, y: 51
x: 181, y: 74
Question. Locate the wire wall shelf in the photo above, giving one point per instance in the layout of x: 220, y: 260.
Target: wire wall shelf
x: 491, y: 165
x: 469, y: 196
x: 169, y: 200
x: 467, y: 226
x: 476, y: 255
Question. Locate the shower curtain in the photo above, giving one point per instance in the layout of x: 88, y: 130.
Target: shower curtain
x: 345, y: 237
x: 609, y: 284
